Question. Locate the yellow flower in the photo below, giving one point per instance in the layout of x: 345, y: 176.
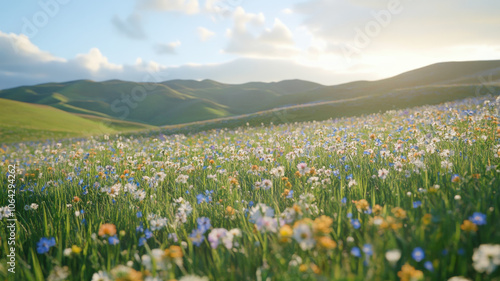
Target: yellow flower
x: 75, y: 249
x: 427, y: 219
x: 286, y: 233
x: 303, y: 268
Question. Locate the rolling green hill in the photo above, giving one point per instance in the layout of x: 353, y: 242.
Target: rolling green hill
x: 122, y: 105
x: 23, y: 121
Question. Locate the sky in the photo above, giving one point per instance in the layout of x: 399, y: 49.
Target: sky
x: 238, y: 41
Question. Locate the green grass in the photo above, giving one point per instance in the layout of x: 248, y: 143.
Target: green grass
x: 420, y: 204
x: 23, y: 121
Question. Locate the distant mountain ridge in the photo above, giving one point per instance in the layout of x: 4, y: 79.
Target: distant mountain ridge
x: 184, y: 101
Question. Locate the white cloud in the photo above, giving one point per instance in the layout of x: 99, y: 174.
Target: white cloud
x: 170, y: 48
x: 205, y: 33
x: 287, y: 11
x: 94, y: 61
x: 29, y: 65
x: 184, y: 6
x: 270, y: 42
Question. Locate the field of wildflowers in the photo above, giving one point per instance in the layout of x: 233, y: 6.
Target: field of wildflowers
x: 404, y: 195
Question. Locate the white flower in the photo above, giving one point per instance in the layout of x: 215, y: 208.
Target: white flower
x: 393, y: 256
x: 158, y: 256
x: 382, y: 173
x: 303, y: 234
x: 486, y: 258
x: 101, y: 276
x: 303, y: 169
x: 267, y: 184
x: 34, y: 206
x: 259, y: 211
x: 67, y: 252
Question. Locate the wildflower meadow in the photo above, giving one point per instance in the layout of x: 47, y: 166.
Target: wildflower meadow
x: 402, y: 195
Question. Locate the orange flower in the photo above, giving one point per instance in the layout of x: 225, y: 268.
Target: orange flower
x: 399, y: 213
x: 361, y: 205
x: 285, y: 192
x: 377, y: 209
x: 174, y: 252
x: 230, y: 211
x: 107, y: 229
x: 409, y: 273
x: 327, y: 243
x: 76, y: 199
x: 322, y: 225
x: 468, y: 226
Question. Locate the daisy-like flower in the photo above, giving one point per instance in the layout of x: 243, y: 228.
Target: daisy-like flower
x: 303, y: 234
x: 486, y: 258
x: 107, y: 229
x: 220, y: 235
x: 267, y: 184
x: 303, y: 169
x: 259, y: 211
x: 383, y: 173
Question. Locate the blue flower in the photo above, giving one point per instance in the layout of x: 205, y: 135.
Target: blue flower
x: 203, y: 198
x: 478, y: 218
x: 113, y: 240
x: 197, y: 237
x: 43, y: 246
x: 142, y: 240
x: 417, y: 204
x: 356, y: 252
x: 203, y: 224
x: 139, y: 214
x: 148, y: 234
x: 418, y: 254
x: 428, y: 266
x: 368, y: 249
x: 343, y: 201
x: 355, y: 223
x: 290, y: 194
